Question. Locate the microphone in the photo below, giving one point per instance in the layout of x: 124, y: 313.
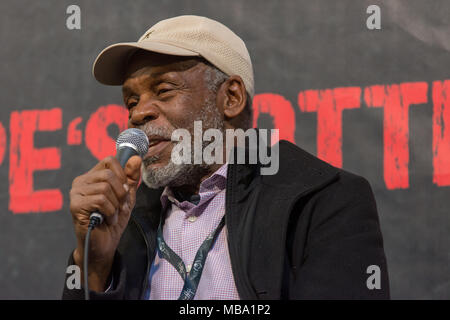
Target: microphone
x: 130, y: 142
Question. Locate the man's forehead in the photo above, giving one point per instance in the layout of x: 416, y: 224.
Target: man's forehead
x: 155, y: 64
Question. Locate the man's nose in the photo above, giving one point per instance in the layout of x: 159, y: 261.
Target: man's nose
x: 143, y: 112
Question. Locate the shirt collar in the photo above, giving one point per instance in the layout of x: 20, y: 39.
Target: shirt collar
x: 210, y: 186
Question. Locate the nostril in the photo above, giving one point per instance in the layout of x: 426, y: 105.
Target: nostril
x: 149, y: 118
x: 140, y: 119
x: 143, y: 112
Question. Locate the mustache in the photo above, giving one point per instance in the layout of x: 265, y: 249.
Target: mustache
x: 162, y: 132
x: 149, y: 130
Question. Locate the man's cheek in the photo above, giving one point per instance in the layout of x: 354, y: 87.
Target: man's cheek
x: 167, y: 153
x: 186, y: 112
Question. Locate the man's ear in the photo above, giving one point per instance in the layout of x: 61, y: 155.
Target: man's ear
x: 234, y: 97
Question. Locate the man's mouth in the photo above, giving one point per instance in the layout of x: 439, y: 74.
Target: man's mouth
x: 156, y: 145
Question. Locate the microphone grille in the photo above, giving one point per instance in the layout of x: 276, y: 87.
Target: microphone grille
x: 135, y: 137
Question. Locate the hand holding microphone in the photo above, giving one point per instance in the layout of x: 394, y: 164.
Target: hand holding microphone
x: 108, y: 192
x: 131, y: 142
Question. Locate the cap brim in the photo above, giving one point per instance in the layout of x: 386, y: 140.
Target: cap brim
x: 109, y: 67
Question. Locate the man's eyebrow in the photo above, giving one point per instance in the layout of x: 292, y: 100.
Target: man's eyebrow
x: 154, y: 77
x: 126, y: 90
x: 161, y: 76
x: 175, y: 69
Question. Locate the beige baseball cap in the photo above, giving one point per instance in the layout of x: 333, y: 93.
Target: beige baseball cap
x: 181, y: 36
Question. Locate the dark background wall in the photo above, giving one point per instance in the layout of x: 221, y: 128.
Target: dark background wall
x: 295, y: 46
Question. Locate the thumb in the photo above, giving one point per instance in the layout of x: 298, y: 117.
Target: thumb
x: 133, y: 171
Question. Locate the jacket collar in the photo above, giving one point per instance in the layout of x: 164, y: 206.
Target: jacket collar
x: 298, y: 172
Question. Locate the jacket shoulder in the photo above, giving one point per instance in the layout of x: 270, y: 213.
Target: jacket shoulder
x: 345, y: 186
x: 298, y: 166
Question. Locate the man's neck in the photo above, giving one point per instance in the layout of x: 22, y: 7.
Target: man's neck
x: 190, y: 189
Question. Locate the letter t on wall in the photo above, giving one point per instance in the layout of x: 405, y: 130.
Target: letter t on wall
x: 329, y: 105
x: 396, y: 99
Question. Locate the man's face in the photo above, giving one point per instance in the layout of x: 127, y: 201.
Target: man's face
x: 163, y: 93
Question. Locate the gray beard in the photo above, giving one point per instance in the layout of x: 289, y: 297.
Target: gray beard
x: 175, y: 175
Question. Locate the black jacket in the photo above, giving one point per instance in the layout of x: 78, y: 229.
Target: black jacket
x: 308, y: 232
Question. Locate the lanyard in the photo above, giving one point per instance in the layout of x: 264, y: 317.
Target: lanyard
x: 192, y: 278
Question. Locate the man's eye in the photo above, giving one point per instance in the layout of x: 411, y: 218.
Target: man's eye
x: 163, y: 90
x: 131, y: 105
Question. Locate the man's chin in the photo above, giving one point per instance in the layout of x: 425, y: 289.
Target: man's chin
x: 172, y: 175
x: 160, y: 173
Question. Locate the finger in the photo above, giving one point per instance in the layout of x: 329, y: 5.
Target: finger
x: 133, y: 169
x: 100, y: 188
x: 133, y: 172
x: 113, y: 164
x: 108, y: 176
x: 124, y: 212
x: 85, y: 205
x: 111, y: 220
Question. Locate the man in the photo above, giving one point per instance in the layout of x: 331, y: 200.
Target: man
x: 310, y: 231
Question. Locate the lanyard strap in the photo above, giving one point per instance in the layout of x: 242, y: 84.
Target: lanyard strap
x: 192, y: 278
